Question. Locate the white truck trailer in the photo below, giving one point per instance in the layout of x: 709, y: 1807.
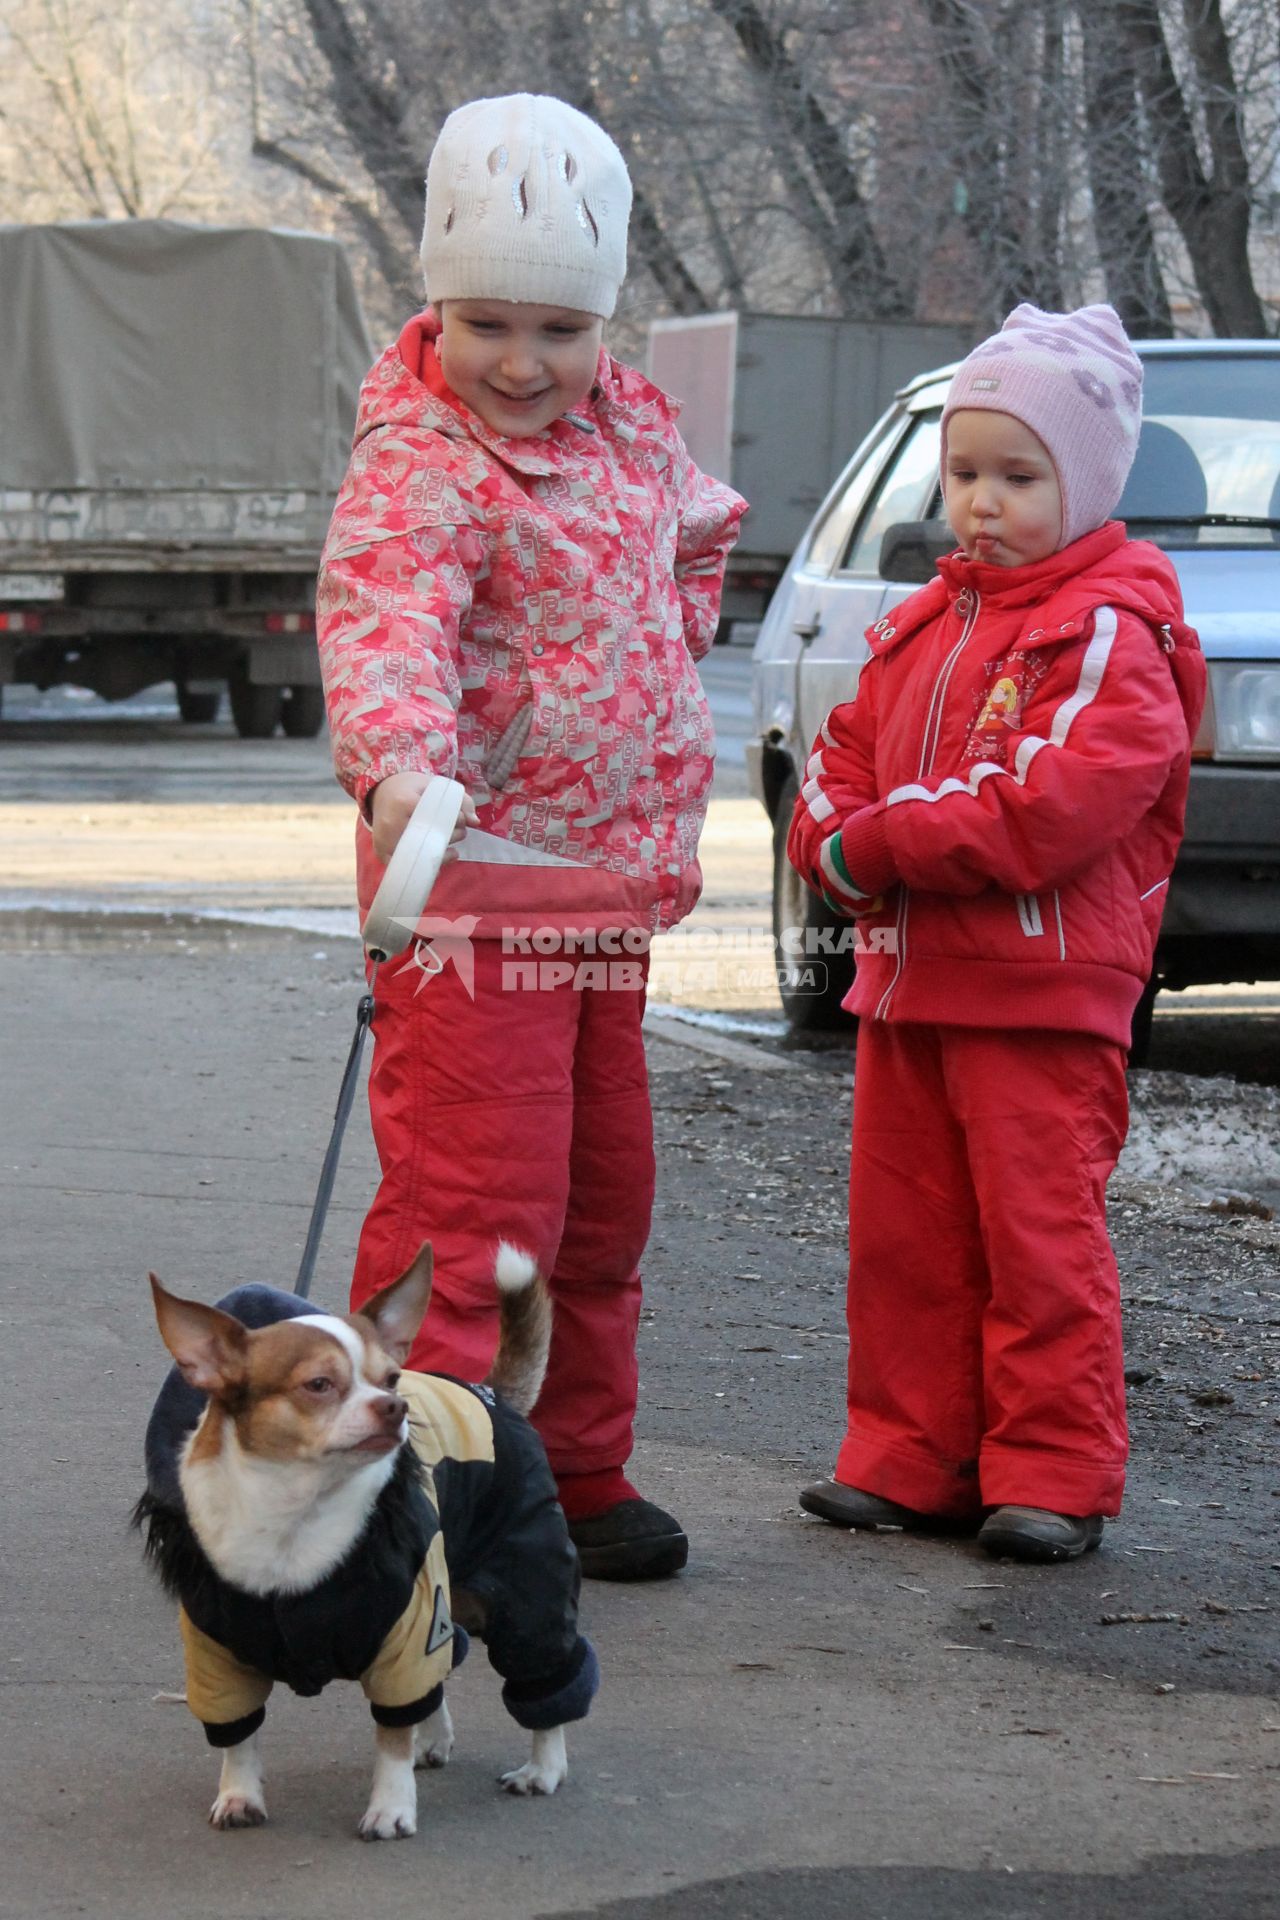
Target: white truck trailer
x: 176, y: 406
x: 774, y: 404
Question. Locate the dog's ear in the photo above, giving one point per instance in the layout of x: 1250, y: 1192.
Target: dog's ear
x: 396, y: 1312
x: 207, y: 1344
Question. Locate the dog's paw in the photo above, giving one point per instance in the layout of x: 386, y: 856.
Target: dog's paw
x: 237, y: 1810
x: 433, y: 1741
x: 435, y: 1753
x: 531, y: 1778
x: 390, y: 1821
x: 545, y: 1769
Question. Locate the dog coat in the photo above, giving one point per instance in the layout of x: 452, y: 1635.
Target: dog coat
x: 471, y: 1503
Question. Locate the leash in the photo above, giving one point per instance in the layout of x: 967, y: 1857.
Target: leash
x: 328, y: 1172
x: 388, y: 929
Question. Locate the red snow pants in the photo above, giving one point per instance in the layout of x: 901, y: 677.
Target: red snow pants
x: 985, y: 1358
x: 521, y: 1114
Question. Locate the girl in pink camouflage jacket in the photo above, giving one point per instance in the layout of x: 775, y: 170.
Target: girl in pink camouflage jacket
x: 523, y: 568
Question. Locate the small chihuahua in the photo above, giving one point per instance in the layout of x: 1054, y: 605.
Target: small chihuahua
x: 320, y: 1514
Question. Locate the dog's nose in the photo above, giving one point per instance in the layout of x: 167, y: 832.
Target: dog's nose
x: 393, y: 1409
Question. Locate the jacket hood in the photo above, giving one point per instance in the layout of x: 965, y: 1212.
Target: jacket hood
x: 1102, y: 569
x: 406, y: 388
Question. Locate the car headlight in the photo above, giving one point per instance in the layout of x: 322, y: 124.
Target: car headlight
x: 1246, y: 710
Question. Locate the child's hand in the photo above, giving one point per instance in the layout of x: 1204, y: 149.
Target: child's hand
x: 392, y: 808
x: 467, y: 817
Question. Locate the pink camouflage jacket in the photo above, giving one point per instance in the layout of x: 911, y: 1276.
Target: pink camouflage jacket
x: 526, y: 614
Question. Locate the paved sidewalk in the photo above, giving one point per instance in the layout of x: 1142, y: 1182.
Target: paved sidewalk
x: 808, y: 1724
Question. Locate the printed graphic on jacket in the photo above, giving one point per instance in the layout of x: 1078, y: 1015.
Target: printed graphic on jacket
x: 1010, y: 683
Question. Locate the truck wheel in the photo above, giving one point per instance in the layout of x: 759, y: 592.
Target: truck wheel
x: 196, y: 709
x: 303, y: 714
x: 254, y: 709
x: 812, y: 984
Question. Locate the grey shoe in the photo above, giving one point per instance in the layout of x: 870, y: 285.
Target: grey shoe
x: 851, y: 1507
x: 1034, y: 1533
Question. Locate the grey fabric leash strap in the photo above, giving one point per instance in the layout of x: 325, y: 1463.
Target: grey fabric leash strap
x: 328, y: 1172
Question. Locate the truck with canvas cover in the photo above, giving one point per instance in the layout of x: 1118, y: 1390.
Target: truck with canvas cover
x: 175, y: 419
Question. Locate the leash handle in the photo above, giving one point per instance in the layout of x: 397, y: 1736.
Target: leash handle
x: 328, y: 1172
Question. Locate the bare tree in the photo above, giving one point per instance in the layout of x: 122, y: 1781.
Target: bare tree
x: 811, y: 155
x: 106, y: 111
x: 1118, y: 175
x: 943, y: 157
x: 1210, y: 206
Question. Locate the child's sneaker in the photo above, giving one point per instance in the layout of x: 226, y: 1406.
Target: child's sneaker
x: 1034, y: 1533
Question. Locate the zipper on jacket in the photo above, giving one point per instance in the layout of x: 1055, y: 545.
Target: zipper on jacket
x: 968, y: 604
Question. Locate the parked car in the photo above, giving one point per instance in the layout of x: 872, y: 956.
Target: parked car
x: 1205, y: 486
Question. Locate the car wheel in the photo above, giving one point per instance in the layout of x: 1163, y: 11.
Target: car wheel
x: 811, y: 984
x: 1140, y: 1030
x: 196, y: 709
x: 254, y: 709
x: 303, y: 714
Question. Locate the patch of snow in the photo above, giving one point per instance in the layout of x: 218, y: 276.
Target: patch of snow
x: 1210, y: 1135
x: 761, y: 1027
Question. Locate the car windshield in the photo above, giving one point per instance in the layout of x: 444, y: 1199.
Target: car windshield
x: 1207, y: 472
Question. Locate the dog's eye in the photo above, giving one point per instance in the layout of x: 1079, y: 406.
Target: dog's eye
x: 321, y: 1384
x: 392, y: 1380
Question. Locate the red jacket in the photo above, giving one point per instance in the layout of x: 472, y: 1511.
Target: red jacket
x: 1000, y: 806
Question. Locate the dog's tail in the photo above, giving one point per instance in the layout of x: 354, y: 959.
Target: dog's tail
x: 524, y: 1328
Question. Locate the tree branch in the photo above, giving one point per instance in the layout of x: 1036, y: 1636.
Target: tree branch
x: 859, y: 269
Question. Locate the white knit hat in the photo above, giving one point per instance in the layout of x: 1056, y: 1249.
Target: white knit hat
x: 528, y: 200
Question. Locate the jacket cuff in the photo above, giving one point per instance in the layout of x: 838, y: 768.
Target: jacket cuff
x: 555, y: 1698
x: 229, y: 1733
x: 410, y: 1714
x: 362, y: 792
x: 865, y: 850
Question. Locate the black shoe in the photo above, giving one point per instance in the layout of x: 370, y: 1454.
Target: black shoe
x: 1034, y: 1533
x: 633, y: 1541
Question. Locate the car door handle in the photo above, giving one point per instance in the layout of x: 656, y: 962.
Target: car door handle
x: 807, y: 629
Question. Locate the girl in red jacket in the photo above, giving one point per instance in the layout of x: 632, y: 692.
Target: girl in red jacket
x: 998, y: 810
x: 523, y: 568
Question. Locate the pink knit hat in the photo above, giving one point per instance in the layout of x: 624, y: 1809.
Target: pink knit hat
x: 1076, y: 382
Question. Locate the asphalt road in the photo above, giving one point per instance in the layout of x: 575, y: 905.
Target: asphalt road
x: 808, y: 1724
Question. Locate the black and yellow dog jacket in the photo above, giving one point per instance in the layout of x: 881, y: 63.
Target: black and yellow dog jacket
x: 471, y: 1505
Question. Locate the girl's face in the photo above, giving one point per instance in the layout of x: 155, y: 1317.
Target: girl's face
x: 1001, y: 489
x: 518, y: 366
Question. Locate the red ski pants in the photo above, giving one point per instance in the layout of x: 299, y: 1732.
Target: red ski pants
x: 985, y: 1358
x: 519, y: 1115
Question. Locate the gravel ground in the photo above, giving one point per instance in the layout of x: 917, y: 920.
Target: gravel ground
x: 767, y: 1157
